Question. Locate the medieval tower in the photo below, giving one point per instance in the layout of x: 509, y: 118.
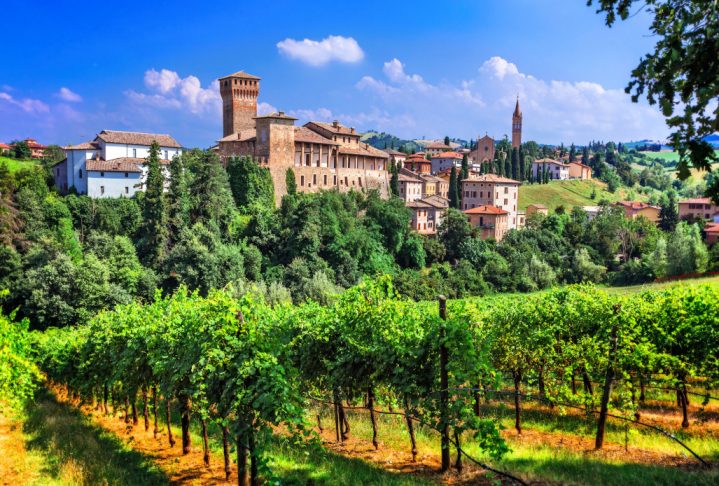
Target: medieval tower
x: 517, y: 126
x: 239, y: 93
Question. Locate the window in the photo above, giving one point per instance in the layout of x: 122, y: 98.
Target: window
x: 302, y: 180
x: 102, y: 189
x: 102, y: 174
x: 166, y: 155
x: 314, y: 179
x: 325, y: 180
x: 80, y: 173
x: 335, y: 180
x: 127, y: 175
x: 506, y: 190
x: 134, y: 153
x: 127, y: 190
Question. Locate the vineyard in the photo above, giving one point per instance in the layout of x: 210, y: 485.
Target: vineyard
x: 461, y: 381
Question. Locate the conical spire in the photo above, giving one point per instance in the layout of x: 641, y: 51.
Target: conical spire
x: 517, y: 111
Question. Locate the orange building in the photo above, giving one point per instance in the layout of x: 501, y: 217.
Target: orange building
x: 418, y: 163
x: 577, y: 170
x: 634, y: 209
x: 490, y: 220
x: 711, y: 233
x: 699, y: 208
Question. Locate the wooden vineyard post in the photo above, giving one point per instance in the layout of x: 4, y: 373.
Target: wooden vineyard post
x: 601, y: 423
x: 444, y: 385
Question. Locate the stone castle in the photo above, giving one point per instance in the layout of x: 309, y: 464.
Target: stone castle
x: 322, y: 155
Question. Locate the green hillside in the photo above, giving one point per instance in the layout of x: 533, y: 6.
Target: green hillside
x: 570, y: 193
x: 15, y: 165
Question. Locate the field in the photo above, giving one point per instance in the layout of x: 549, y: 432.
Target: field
x: 568, y: 194
x: 15, y: 164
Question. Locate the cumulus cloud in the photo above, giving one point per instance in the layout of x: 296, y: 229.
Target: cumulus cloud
x: 554, y: 110
x: 169, y: 90
x: 66, y: 94
x: 27, y: 105
x: 319, y: 53
x: 265, y: 108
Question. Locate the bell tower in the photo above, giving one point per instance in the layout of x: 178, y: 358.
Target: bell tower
x: 239, y: 93
x: 517, y: 126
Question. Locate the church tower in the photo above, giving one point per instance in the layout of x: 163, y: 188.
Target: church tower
x: 239, y: 93
x: 517, y: 126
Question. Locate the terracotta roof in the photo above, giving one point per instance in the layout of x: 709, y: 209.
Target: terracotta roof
x: 241, y: 136
x: 304, y: 134
x: 278, y: 115
x: 431, y: 178
x: 712, y: 228
x: 635, y: 204
x: 419, y: 204
x: 408, y: 176
x: 335, y: 127
x: 92, y: 145
x: 418, y: 156
x: 538, y: 206
x: 437, y: 145
x: 137, y: 138
x: 121, y: 164
x: 579, y: 164
x: 492, y: 178
x: 32, y: 143
x: 437, y: 201
x: 240, y: 74
x: 364, y: 149
x: 486, y: 209
x: 696, y: 200
x: 395, y: 152
x: 4, y: 146
x: 448, y: 155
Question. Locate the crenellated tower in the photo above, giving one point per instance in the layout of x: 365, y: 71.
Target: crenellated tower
x: 517, y: 126
x: 239, y: 93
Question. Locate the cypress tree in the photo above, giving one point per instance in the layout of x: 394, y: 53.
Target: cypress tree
x: 522, y: 165
x: 453, y: 191
x: 178, y: 198
x: 668, y: 216
x: 446, y: 140
x: 507, y: 165
x: 394, y: 181
x: 154, y: 232
x: 585, y: 156
x: 465, y: 168
x: 515, y: 164
x: 290, y: 181
x: 211, y: 193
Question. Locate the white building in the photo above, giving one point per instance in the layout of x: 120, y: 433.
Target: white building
x: 558, y: 171
x: 112, y: 165
x: 446, y: 160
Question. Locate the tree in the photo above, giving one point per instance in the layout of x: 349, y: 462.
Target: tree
x: 508, y: 164
x: 585, y: 156
x: 154, y: 225
x: 178, y: 198
x: 515, y: 164
x: 681, y: 73
x: 446, y: 140
x: 211, y: 194
x: 251, y: 184
x: 572, y: 153
x: 52, y: 155
x: 394, y: 180
x: 290, y: 181
x: 464, y: 174
x: 453, y: 189
x: 522, y: 164
x: 453, y: 231
x: 20, y: 149
x: 668, y: 215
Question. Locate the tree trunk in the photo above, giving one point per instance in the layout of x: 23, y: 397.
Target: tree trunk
x: 185, y: 420
x: 127, y: 409
x: 542, y: 390
x: 254, y: 462
x: 156, y: 430
x: 226, y: 451
x: 373, y: 419
x: 458, y: 462
x: 681, y: 393
x: 145, y: 411
x: 337, y: 420
x: 134, y: 409
x: 477, y: 399
x: 443, y: 388
x: 574, y: 382
x: 169, y: 423
x: 517, y: 401
x: 243, y: 475
x: 599, y: 442
x: 205, y: 445
x: 319, y: 423
x: 642, y: 386
x: 410, y: 428
x: 587, y: 382
x: 105, y: 393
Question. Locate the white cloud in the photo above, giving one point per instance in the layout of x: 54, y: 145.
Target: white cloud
x: 554, y: 110
x: 265, y: 108
x: 169, y: 90
x: 66, y: 94
x: 319, y: 53
x: 28, y: 105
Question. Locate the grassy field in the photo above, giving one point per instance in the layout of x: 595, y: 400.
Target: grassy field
x: 569, y: 194
x: 15, y: 164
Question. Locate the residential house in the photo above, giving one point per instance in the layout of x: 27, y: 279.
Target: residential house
x: 698, y: 208
x: 711, y: 233
x: 435, y: 148
x: 427, y: 214
x: 592, y: 211
x: 491, y: 221
x: 492, y: 190
x: 446, y: 160
x: 556, y: 169
x: 4, y: 148
x: 111, y: 165
x: 396, y: 157
x: 37, y: 150
x: 418, y: 163
x: 410, y: 185
x: 634, y: 209
x: 537, y: 208
x: 434, y: 185
x: 577, y: 170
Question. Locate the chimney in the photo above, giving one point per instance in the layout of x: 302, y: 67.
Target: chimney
x: 352, y: 129
x: 335, y: 123
x: 280, y: 113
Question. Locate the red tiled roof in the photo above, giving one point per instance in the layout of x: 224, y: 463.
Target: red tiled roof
x: 121, y: 164
x: 579, y: 164
x: 240, y: 74
x: 364, y: 149
x: 83, y: 146
x: 304, y: 134
x: 4, y: 146
x: 492, y: 178
x: 635, y: 204
x: 241, y: 136
x: 137, y: 138
x: 712, y: 228
x: 335, y: 127
x: 448, y: 155
x: 437, y: 201
x: 32, y: 143
x: 696, y: 200
x: 437, y: 145
x: 486, y: 209
x: 549, y: 161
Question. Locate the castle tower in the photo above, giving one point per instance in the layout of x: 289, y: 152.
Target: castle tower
x: 239, y: 93
x: 517, y: 126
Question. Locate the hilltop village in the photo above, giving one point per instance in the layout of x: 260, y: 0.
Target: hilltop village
x: 481, y: 178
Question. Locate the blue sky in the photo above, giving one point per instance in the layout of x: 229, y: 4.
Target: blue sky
x: 421, y: 68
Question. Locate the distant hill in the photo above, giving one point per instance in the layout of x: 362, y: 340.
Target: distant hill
x: 382, y: 140
x: 569, y: 194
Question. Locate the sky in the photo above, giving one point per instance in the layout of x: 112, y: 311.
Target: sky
x: 420, y: 69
